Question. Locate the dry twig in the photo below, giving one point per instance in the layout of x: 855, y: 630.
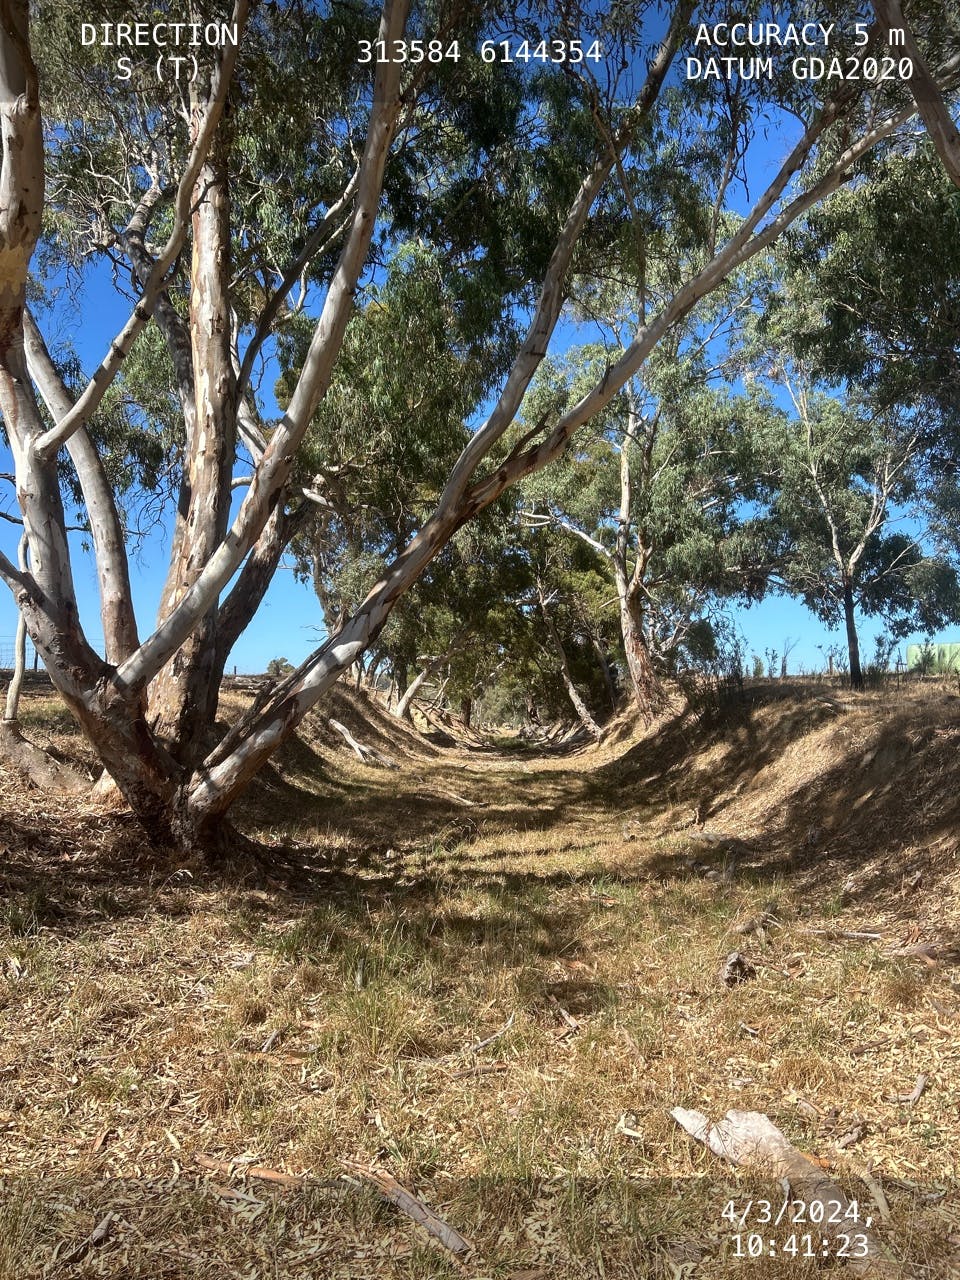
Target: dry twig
x: 407, y: 1203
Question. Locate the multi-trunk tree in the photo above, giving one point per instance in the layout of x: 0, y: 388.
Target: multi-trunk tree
x: 224, y: 206
x: 656, y: 490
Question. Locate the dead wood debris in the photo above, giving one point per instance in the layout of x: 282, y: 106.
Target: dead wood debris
x: 750, y: 1139
x: 572, y: 1025
x: 844, y: 935
x: 760, y: 924
x: 289, y: 1181
x: 96, y: 1237
x: 414, y: 1208
x: 910, y: 1099
x: 931, y: 953
x: 365, y: 754
x: 626, y: 1126
x: 467, y: 1048
x: 385, y: 1183
x: 876, y: 1191
x: 736, y: 969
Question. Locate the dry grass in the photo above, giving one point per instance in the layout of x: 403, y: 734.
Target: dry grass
x: 152, y: 1015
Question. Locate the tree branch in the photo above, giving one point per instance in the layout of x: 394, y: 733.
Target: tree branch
x: 926, y: 93
x: 113, y: 570
x: 293, y: 273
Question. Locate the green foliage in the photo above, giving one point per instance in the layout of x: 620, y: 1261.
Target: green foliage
x: 877, y: 267
x: 683, y: 452
x: 837, y: 482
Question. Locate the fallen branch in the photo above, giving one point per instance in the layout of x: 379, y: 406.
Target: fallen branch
x: 909, y: 1099
x: 467, y: 1048
x: 407, y: 1203
x: 97, y: 1236
x: 859, y: 1049
x: 875, y: 1189
x: 452, y: 795
x: 442, y: 791
x: 482, y: 1044
x: 931, y: 953
x: 365, y: 754
x: 288, y: 1180
x: 573, y: 1026
x: 846, y: 935
x: 627, y: 1130
x: 750, y: 1138
x: 479, y: 1069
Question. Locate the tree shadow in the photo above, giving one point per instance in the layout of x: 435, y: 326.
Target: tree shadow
x: 360, y: 838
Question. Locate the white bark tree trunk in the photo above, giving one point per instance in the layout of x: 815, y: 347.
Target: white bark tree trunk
x: 183, y: 697
x: 402, y: 709
x: 11, y: 712
x: 573, y: 693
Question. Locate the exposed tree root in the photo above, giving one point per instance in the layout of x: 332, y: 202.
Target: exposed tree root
x: 38, y: 766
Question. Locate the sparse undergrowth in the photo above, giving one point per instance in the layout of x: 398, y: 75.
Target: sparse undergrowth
x: 163, y: 1031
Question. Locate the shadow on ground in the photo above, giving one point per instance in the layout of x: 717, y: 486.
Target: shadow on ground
x: 789, y: 785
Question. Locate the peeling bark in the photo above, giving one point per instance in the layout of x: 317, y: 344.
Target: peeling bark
x: 183, y: 697
x: 646, y: 686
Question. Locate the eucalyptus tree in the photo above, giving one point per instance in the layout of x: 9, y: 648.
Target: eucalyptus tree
x: 217, y: 200
x: 843, y: 480
x: 415, y: 366
x: 860, y: 327
x: 655, y: 489
x: 869, y: 300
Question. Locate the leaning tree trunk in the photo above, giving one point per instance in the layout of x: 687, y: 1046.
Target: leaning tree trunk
x: 573, y: 693
x: 605, y: 671
x: 853, y: 640
x: 33, y: 762
x: 402, y: 709
x: 644, y: 681
x: 11, y: 712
